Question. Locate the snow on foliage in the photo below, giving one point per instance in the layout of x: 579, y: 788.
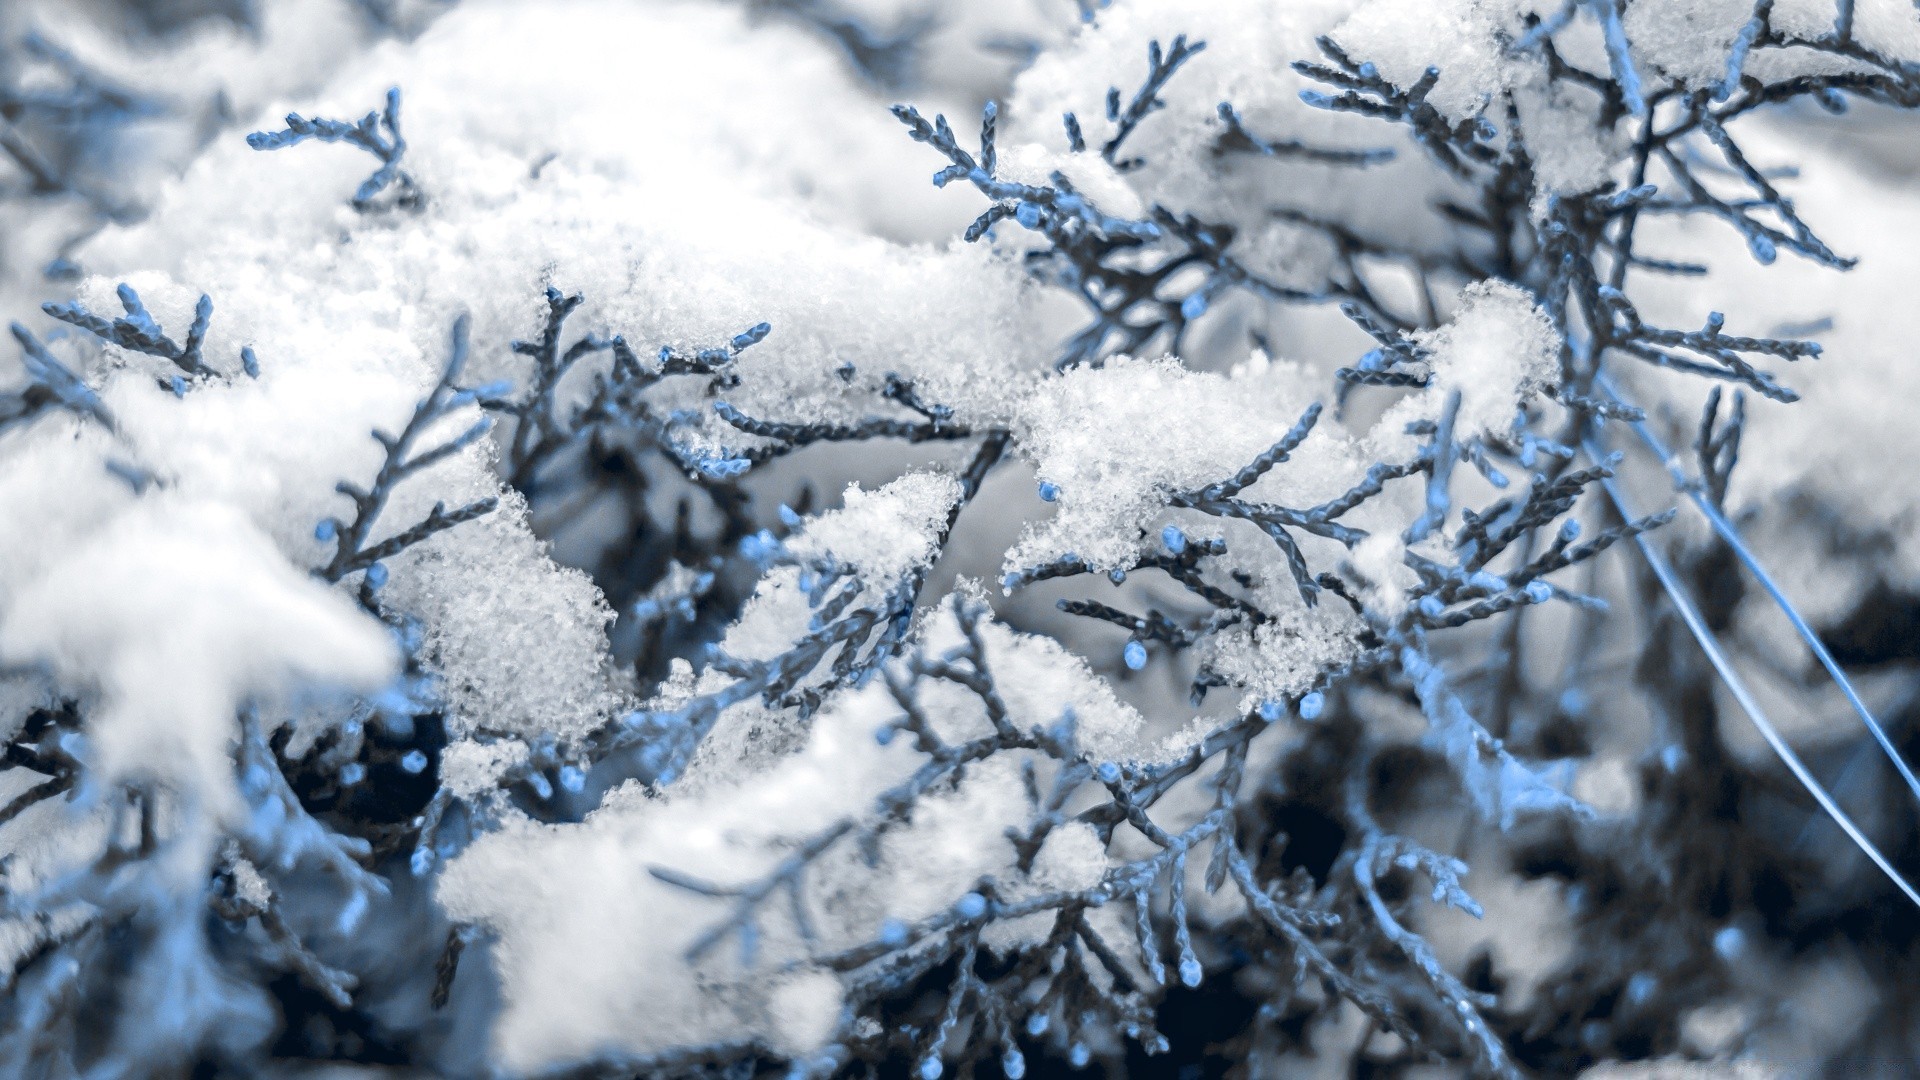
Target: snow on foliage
x: 593, y: 944
x: 1497, y: 351
x: 241, y: 626
x: 502, y: 601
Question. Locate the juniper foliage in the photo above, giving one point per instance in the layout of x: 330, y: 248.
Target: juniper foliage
x: 377, y: 133
x: 1280, y: 866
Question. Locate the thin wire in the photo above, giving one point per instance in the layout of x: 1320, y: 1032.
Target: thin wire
x: 1733, y: 539
x: 1711, y: 646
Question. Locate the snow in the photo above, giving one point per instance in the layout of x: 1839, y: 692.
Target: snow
x: 685, y: 166
x: 881, y: 535
x: 1496, y: 351
x: 1460, y: 37
x: 1572, y: 151
x: 1689, y: 40
x: 471, y: 770
x: 348, y: 314
x: 877, y: 536
x: 1041, y: 682
x: 207, y: 69
x: 174, y: 615
x: 1381, y: 562
x: 1250, y: 45
x: 590, y: 945
x: 519, y: 644
x: 1117, y: 440
x: 1854, y: 396
x: 586, y: 934
x: 1284, y: 657
x: 707, y: 215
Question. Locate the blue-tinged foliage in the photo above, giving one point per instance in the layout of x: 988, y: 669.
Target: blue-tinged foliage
x: 354, y: 547
x: 1309, y: 835
x: 50, y: 384
x: 137, y: 331
x: 377, y: 133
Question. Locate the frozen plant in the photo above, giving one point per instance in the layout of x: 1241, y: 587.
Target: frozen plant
x: 1244, y: 575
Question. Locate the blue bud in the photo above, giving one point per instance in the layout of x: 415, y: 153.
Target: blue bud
x: 1117, y: 575
x: 1193, y: 306
x: 1762, y: 248
x: 422, y: 861
x: 1049, y: 491
x: 893, y: 933
x: 573, y: 778
x: 1013, y: 1063
x: 1430, y: 606
x: 1570, y: 530
x: 970, y: 906
x: 884, y: 734
x: 1135, y: 655
x: 1641, y: 987
x: 352, y: 773
x: 326, y: 530
x: 415, y: 762
x: 1037, y: 1024
x: 789, y: 517
x: 1028, y: 215
x: 1272, y: 711
x: 1730, y: 943
x: 1108, y: 772
x: 930, y: 1068
x: 249, y: 362
x: 1368, y: 71
x: 1539, y: 592
x: 1078, y: 1055
x: 376, y: 575
x: 1173, y: 539
x: 1311, y: 705
x: 179, y: 386
x: 541, y: 786
x: 1190, y: 971
x: 1008, y: 583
